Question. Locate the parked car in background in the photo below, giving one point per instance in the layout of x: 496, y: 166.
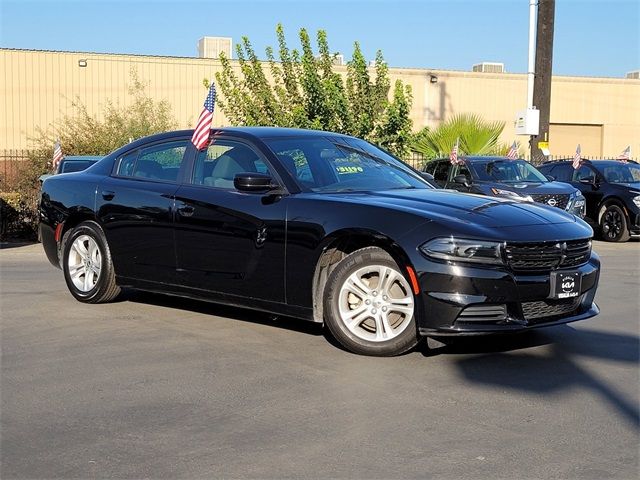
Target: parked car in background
x: 318, y: 226
x: 506, y: 178
x: 612, y: 191
x: 72, y: 163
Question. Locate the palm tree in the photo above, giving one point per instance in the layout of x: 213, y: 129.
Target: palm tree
x: 476, y: 135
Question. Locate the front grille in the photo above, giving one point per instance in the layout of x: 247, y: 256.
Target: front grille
x: 549, y: 309
x: 547, y: 255
x: 560, y: 201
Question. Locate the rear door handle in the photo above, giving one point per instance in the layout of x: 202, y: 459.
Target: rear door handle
x: 186, y: 210
x: 107, y: 195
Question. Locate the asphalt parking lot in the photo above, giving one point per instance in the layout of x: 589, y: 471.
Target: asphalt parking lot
x: 157, y: 387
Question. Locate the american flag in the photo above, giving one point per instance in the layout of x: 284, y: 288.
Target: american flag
x: 577, y: 159
x: 513, y: 151
x: 57, y: 154
x: 625, y: 156
x: 201, y: 133
x: 453, y: 156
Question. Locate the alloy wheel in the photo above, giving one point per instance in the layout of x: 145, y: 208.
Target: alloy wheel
x: 84, y: 263
x: 376, y: 303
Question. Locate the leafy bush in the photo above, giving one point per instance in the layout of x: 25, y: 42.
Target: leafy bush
x: 82, y: 133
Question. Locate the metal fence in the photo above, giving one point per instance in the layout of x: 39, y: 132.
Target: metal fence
x: 10, y: 163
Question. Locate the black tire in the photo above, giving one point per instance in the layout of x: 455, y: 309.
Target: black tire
x: 613, y: 224
x: 105, y: 288
x: 406, y: 339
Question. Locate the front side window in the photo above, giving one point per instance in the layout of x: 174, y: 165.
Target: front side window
x: 582, y: 173
x: 218, y: 165
x: 159, y: 162
x: 441, y: 173
x: 326, y: 164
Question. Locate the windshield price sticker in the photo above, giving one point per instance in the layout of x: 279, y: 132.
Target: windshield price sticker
x: 342, y: 170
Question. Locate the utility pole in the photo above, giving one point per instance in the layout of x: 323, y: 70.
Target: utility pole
x: 542, y: 82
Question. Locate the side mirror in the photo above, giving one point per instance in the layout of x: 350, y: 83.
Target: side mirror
x: 253, y: 182
x: 462, y: 180
x: 551, y: 178
x: 588, y: 180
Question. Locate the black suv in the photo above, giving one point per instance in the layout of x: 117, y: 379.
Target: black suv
x: 612, y: 191
x: 504, y: 177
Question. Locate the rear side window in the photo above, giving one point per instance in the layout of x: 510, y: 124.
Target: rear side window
x: 562, y: 173
x: 159, y: 162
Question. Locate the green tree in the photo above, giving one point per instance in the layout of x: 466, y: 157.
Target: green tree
x: 305, y: 91
x: 476, y: 135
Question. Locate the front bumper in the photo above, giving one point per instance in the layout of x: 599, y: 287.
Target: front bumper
x: 466, y: 300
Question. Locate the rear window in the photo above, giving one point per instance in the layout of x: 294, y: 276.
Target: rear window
x: 76, y: 166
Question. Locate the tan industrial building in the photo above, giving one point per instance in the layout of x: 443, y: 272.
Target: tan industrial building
x: 38, y: 88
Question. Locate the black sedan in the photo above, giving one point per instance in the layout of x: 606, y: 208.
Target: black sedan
x: 319, y: 226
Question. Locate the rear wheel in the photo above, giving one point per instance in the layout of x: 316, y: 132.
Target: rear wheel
x: 613, y: 224
x: 369, y: 306
x: 86, y: 262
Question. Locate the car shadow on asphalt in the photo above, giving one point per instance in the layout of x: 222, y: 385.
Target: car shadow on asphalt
x: 504, y: 362
x: 235, y: 313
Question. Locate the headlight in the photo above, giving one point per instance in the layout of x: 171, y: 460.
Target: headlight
x: 511, y: 194
x: 576, y: 204
x: 636, y: 200
x: 463, y: 250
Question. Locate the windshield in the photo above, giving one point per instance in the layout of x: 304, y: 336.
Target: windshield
x: 338, y: 164
x: 508, y: 171
x: 622, y: 173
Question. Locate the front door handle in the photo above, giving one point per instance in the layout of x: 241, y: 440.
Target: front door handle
x: 107, y: 195
x: 186, y: 210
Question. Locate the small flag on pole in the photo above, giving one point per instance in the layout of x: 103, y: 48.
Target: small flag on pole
x: 57, y: 155
x: 201, y: 133
x: 453, y: 156
x: 513, y: 151
x: 625, y: 156
x: 577, y: 159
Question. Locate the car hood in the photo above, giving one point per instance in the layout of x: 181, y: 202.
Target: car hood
x: 455, y: 207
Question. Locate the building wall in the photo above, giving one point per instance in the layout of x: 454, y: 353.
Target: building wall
x: 39, y: 88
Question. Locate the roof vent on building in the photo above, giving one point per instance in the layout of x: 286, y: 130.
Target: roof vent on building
x: 338, y: 59
x: 212, y: 47
x: 489, y: 67
x: 633, y: 75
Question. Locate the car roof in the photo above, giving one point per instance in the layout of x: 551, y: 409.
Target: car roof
x: 243, y: 132
x: 479, y: 158
x: 601, y: 161
x: 84, y: 158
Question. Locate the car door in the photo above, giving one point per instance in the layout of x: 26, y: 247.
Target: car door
x: 135, y: 206
x: 592, y: 192
x: 229, y: 241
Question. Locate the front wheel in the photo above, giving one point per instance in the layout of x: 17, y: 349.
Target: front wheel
x: 369, y: 306
x: 613, y: 225
x: 86, y: 262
